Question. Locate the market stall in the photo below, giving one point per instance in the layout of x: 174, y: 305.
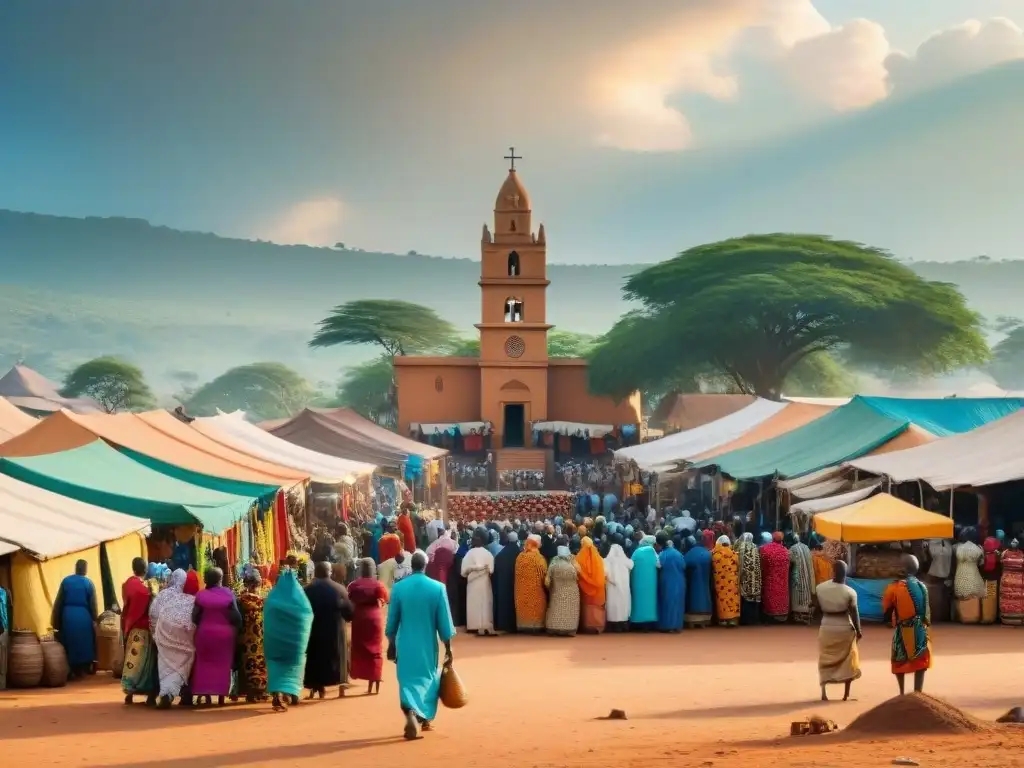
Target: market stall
x: 882, y: 519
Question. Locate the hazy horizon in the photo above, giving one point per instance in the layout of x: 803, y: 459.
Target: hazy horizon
x: 644, y: 129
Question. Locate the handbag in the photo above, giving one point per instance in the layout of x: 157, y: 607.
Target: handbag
x: 453, y: 692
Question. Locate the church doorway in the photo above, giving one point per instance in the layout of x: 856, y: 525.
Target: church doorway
x: 515, y: 425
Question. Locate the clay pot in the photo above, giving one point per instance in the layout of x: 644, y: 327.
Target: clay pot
x: 55, y: 663
x: 25, y: 660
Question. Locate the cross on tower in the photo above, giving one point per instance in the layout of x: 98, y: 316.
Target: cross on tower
x: 511, y: 157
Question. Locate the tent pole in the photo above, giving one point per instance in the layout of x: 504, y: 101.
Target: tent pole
x: 951, y: 492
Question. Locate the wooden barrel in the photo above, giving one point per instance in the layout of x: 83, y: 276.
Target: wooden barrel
x: 55, y: 663
x: 108, y: 642
x: 25, y: 660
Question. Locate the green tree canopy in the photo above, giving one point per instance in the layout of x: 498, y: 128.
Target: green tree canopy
x: 115, y: 384
x: 1007, y: 366
x: 753, y: 308
x: 367, y: 389
x: 397, y: 327
x: 264, y: 390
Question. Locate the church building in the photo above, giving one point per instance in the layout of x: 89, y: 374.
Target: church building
x: 513, y: 384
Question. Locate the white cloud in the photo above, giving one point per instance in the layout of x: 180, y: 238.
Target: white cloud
x: 961, y: 50
x: 310, y: 222
x: 640, y: 93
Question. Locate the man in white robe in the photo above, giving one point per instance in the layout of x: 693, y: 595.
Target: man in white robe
x: 617, y: 596
x: 477, y: 567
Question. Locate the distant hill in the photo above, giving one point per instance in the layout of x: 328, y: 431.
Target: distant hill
x: 191, y: 302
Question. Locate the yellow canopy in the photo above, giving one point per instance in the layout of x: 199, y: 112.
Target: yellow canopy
x: 880, y: 519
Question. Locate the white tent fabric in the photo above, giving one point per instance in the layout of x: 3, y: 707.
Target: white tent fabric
x: 812, y: 478
x: 234, y: 431
x: 835, y: 402
x: 814, y: 506
x: 987, y: 455
x: 49, y: 525
x: 693, y: 442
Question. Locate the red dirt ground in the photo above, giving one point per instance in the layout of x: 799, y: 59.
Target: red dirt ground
x: 705, y: 698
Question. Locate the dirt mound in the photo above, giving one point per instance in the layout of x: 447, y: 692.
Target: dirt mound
x: 915, y: 713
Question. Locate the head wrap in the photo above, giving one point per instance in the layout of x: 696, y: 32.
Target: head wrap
x: 251, y: 576
x: 629, y: 530
x: 747, y: 537
x: 513, y: 538
x: 777, y: 537
x: 647, y: 541
x: 192, y: 583
x: 723, y: 541
x: 766, y: 538
x: 563, y: 552
x: 532, y: 542
x: 708, y: 538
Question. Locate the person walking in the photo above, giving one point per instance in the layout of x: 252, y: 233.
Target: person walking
x: 417, y: 616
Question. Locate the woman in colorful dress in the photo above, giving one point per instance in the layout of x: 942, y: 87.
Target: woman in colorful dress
x: 253, y: 662
x: 990, y: 573
x: 562, y: 581
x: 775, y: 578
x: 170, y: 616
x: 1011, y: 586
x: 368, y: 597
x: 531, y: 597
x: 139, y: 675
x: 801, y: 592
x: 905, y: 604
x: 592, y: 587
x: 749, y: 560
x: 217, y: 620
x: 725, y: 565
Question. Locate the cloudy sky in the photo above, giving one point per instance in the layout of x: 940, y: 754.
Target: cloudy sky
x: 646, y: 126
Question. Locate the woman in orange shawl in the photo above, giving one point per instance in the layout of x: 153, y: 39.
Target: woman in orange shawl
x: 590, y: 565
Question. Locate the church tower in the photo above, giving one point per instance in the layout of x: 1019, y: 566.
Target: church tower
x: 513, y: 316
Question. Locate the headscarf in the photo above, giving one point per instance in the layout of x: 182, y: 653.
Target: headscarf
x: 563, y: 551
x: 723, y: 541
x: 513, y: 538
x: 629, y: 531
x: 443, y: 541
x: 251, y: 576
x: 532, y: 543
x: 591, y: 566
x: 708, y: 539
x: 747, y: 537
x: 647, y: 541
x: 173, y: 605
x: 690, y: 542
x: 191, y: 583
x: 777, y: 537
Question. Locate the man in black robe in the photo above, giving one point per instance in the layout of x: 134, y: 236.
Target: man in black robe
x: 327, y: 652
x: 456, y: 588
x: 503, y: 583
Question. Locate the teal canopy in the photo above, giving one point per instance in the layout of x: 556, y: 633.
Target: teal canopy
x: 857, y: 428
x: 98, y: 474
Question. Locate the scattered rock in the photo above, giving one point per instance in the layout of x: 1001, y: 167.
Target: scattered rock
x: 1015, y: 715
x: 904, y: 761
x: 615, y: 714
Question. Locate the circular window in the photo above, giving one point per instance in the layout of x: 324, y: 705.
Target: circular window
x: 514, y: 346
x: 439, y: 384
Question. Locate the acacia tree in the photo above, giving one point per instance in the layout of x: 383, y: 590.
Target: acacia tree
x: 263, y: 390
x: 561, y: 344
x: 115, y: 384
x: 1007, y: 366
x: 397, y: 327
x: 753, y: 308
x: 367, y: 389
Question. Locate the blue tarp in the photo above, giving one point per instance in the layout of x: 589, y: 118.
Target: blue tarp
x: 869, y: 597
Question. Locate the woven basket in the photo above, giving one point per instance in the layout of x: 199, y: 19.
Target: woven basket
x: 880, y: 564
x: 453, y: 692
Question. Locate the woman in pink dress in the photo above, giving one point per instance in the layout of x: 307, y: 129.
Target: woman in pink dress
x: 217, y: 621
x: 366, y: 653
x: 775, y: 578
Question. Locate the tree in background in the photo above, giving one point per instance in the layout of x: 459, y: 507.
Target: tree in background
x: 262, y: 390
x: 397, y: 327
x: 115, y: 384
x: 367, y: 389
x: 753, y: 308
x: 1007, y: 366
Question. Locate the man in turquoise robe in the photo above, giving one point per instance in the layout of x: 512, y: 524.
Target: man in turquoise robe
x: 417, y: 616
x: 643, y: 612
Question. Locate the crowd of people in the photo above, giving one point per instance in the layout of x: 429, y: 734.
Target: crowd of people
x: 589, y: 574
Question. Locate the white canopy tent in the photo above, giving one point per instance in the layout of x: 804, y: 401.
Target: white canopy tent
x: 814, y: 506
x: 993, y: 453
x: 234, y: 431
x: 659, y: 455
x: 48, y: 525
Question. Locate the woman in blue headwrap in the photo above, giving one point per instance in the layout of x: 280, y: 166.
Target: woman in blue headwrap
x: 644, y: 584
